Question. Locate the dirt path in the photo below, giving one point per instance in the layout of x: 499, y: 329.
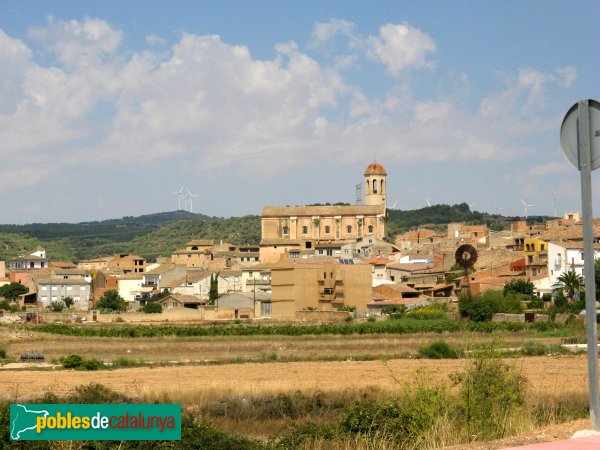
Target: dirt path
x: 186, y: 383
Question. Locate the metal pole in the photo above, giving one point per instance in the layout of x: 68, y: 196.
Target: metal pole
x: 584, y: 151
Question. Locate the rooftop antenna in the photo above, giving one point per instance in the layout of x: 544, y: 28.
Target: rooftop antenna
x: 179, y: 197
x: 359, y: 194
x: 525, y: 206
x: 190, y: 197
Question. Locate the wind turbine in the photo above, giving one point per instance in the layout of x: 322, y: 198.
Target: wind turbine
x: 190, y: 197
x: 179, y: 196
x: 498, y: 209
x: 428, y: 204
x: 395, y: 203
x: 525, y: 205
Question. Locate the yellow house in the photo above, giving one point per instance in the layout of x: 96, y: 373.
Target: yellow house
x: 534, y: 245
x: 321, y: 283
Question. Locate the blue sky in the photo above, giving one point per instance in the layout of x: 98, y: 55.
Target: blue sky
x: 108, y: 107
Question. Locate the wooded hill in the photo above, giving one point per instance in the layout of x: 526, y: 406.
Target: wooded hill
x: 160, y: 234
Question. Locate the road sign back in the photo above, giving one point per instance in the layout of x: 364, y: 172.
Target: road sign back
x: 569, y: 134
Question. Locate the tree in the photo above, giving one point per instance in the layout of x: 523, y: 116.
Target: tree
x: 152, y: 308
x: 213, y: 293
x: 519, y: 287
x: 572, y: 283
x: 68, y: 301
x: 597, y: 273
x: 12, y: 291
x: 112, y: 300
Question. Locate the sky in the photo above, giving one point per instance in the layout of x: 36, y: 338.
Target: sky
x: 108, y: 108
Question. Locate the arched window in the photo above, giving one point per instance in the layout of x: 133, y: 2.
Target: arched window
x: 304, y: 229
x: 381, y: 186
x: 349, y: 229
x: 327, y: 229
x: 370, y: 228
x: 374, y: 186
x: 195, y: 247
x: 286, y: 230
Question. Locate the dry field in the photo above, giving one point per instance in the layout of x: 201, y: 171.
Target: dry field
x: 245, y: 348
x: 197, y: 384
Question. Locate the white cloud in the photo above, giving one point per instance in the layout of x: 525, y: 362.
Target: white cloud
x: 567, y: 76
x: 207, y: 104
x: 324, y: 32
x: 155, y: 40
x: 77, y: 42
x: 399, y: 46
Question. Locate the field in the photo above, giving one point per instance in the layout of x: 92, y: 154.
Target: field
x: 190, y: 384
x: 271, y: 382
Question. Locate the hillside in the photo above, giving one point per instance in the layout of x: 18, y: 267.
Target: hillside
x: 159, y: 234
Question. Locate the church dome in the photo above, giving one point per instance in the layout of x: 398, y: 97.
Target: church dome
x: 375, y: 169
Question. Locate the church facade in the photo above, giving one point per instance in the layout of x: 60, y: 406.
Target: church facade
x: 300, y: 229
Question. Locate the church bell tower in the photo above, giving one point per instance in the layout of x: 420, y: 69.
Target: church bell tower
x: 375, y: 185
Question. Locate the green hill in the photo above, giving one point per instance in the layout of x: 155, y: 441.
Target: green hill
x: 160, y: 234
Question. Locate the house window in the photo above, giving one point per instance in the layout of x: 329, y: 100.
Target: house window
x: 265, y: 309
x: 304, y: 229
x: 324, y: 274
x: 370, y: 228
x: 349, y: 229
x: 69, y: 288
x: 327, y: 229
x: 329, y: 252
x: 543, y: 247
x: 286, y: 230
x: 328, y: 291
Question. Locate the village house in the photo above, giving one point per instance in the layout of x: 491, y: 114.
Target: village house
x: 325, y: 284
x: 128, y: 263
x: 29, y: 260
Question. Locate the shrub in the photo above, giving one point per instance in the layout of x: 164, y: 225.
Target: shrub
x: 152, y: 308
x: 428, y: 312
x: 68, y: 301
x: 489, y: 393
x: 476, y: 309
x: 56, y: 306
x: 536, y: 303
x: 2, y: 353
x: 72, y: 361
x: 90, y: 364
x: 534, y: 349
x: 298, y: 435
x: 78, y: 363
x: 438, y: 350
x: 405, y: 418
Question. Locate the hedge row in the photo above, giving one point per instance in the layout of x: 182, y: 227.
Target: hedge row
x: 400, y: 326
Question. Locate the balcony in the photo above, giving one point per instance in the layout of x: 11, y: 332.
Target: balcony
x: 252, y: 282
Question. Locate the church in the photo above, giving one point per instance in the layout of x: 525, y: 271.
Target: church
x: 300, y: 230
